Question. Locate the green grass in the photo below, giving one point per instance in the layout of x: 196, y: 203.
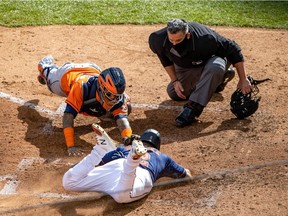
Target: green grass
x: 267, y: 14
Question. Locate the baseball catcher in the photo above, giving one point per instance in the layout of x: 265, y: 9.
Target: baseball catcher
x: 244, y: 105
x: 88, y: 91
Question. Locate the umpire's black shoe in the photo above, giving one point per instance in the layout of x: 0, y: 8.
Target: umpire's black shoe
x: 185, y: 118
x: 228, y: 76
x: 188, y: 115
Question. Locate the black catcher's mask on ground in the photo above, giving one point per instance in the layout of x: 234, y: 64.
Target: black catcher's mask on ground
x: 244, y: 105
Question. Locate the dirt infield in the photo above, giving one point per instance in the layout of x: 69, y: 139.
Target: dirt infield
x: 240, y: 166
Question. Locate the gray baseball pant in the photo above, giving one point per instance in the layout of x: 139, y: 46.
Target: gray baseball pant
x: 199, y: 82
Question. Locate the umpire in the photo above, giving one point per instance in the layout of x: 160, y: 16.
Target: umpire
x: 197, y: 60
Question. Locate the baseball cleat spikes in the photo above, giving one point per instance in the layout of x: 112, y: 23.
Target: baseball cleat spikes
x: 138, y: 149
x: 103, y: 139
x: 44, y: 66
x: 46, y: 61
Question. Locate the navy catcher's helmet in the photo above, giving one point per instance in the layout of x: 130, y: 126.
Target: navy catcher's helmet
x: 112, y: 84
x: 152, y: 137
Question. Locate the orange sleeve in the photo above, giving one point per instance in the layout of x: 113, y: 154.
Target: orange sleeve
x: 69, y: 136
x: 74, y: 98
x: 127, y: 132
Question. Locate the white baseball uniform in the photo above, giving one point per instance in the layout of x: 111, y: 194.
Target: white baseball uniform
x: 122, y: 179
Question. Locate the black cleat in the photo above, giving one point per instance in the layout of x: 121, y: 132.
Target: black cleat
x: 189, y: 113
x: 185, y: 118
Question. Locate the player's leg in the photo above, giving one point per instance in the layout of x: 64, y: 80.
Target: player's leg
x: 55, y: 77
x: 188, y: 78
x: 134, y: 182
x: 75, y: 179
x: 211, y: 77
x: 95, y: 66
x: 44, y: 64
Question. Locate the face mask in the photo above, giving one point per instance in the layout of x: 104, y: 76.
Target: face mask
x: 181, y: 46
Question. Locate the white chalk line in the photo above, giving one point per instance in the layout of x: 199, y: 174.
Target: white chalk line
x: 10, y: 187
x: 61, y: 107
x: 12, y: 182
x: 27, y: 104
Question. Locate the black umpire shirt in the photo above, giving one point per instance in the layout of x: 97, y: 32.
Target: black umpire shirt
x: 202, y: 45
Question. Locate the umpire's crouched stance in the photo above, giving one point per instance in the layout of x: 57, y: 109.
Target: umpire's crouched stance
x: 197, y: 60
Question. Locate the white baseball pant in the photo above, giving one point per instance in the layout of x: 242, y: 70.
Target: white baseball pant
x: 122, y: 179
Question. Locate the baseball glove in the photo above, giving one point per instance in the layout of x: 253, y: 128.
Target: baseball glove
x: 244, y: 105
x: 128, y: 140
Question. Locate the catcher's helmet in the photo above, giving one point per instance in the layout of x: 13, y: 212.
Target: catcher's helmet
x: 152, y: 137
x: 112, y: 84
x: 243, y: 105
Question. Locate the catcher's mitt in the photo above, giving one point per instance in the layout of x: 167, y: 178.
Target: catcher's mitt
x: 244, y: 105
x: 128, y: 140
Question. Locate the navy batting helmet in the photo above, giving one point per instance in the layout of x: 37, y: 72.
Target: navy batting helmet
x: 152, y: 137
x: 112, y: 84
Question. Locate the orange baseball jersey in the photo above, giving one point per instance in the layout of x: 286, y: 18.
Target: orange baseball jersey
x: 81, y: 87
x: 72, y: 83
x: 79, y: 84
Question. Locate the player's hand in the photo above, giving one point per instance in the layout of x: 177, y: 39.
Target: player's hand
x: 128, y: 140
x: 179, y: 89
x: 74, y: 151
x: 245, y: 86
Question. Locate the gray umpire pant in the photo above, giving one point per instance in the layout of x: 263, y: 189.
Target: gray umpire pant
x: 199, y: 82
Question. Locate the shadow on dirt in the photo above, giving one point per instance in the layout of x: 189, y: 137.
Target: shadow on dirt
x: 103, y: 206
x: 163, y: 120
x: 41, y: 132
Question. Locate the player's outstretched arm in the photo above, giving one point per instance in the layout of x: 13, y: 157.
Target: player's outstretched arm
x: 68, y: 129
